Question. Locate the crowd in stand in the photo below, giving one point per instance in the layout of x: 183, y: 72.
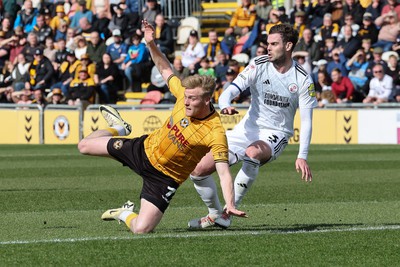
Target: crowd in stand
x: 78, y: 52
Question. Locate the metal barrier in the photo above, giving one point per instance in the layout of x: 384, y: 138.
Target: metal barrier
x: 175, y: 9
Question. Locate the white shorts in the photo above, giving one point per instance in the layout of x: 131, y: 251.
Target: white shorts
x: 239, y: 139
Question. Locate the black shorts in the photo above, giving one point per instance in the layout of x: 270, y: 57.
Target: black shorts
x: 158, y: 188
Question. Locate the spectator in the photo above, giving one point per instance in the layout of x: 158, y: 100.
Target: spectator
x: 299, y: 22
x: 163, y: 35
x: 342, y: 87
x: 221, y: 67
x: 353, y: 7
x: 82, y: 12
x: 357, y: 73
x: 214, y: 46
x: 6, y: 27
x: 19, y: 72
x: 55, y: 97
x: 243, y: 17
x: 273, y: 20
x: 107, y: 78
x: 335, y: 7
x: 193, y: 52
x: 298, y: 6
x: 376, y: 59
x: 337, y: 62
x: 87, y: 64
x: 258, y: 37
x: 6, y: 94
x: 60, y: 16
x: 70, y: 39
x: 96, y: 47
x: 328, y: 29
x: 368, y: 29
x: 100, y: 24
x: 17, y: 45
x: 348, y: 20
x: 61, y: 53
x: 31, y: 46
x: 39, y: 99
x: 375, y: 8
x: 307, y: 43
x: 322, y: 83
x: 49, y: 50
x: 26, y: 18
x: 137, y: 55
x: 81, y: 46
x: 317, y: 13
x: 22, y: 97
x: 85, y: 28
x: 303, y: 59
x: 320, y: 65
x: 118, y: 49
x: 4, y: 50
x: 101, y: 6
x: 262, y: 9
x: 205, y: 68
x: 178, y: 69
x: 40, y: 74
x: 349, y: 44
x: 366, y: 45
x: 330, y: 44
x: 380, y: 86
x: 66, y: 72
x: 61, y: 30
x: 119, y: 20
x: 391, y: 6
x: 229, y: 39
x: 81, y: 90
x: 393, y: 71
x: 388, y: 32
x: 41, y: 29
x: 150, y: 11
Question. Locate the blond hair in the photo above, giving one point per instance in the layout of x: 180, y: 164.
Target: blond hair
x: 207, y: 83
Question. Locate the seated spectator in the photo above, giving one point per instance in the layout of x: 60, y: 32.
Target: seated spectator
x: 357, y: 72
x: 60, y: 17
x: 163, y: 35
x: 180, y: 71
x: 349, y: 44
x: 380, y: 87
x: 328, y: 29
x: 205, y: 68
x: 82, y: 12
x: 19, y: 72
x: 81, y: 90
x: 119, y: 20
x: 390, y: 6
x: 56, y: 97
x: 262, y: 9
x: 335, y: 7
x: 6, y: 27
x: 107, y: 78
x: 376, y: 59
x: 319, y: 66
x: 4, y: 50
x: 96, y: 47
x: 273, y: 20
x: 22, y: 97
x: 338, y: 62
x: 49, y: 50
x: 322, y: 83
x: 150, y: 11
x: 193, y: 52
x: 100, y: 25
x: 299, y: 5
x: 243, y: 17
x: 303, y: 59
x: 368, y: 29
x: 17, y: 45
x: 6, y: 95
x: 229, y: 39
x: 101, y: 7
x: 342, y: 87
x: 81, y: 46
x: 348, y: 20
x: 352, y: 7
x: 40, y: 74
x: 42, y: 30
x: 26, y: 18
x: 307, y: 43
x: 137, y: 55
x: 258, y: 37
x: 31, y: 46
x: 39, y: 99
x: 214, y: 46
x: 86, y: 63
x: 300, y: 22
x: 375, y: 8
x: 388, y: 32
x: 118, y: 49
x: 330, y: 45
x: 317, y: 13
x: 61, y: 53
x: 85, y: 28
x: 368, y: 50
x: 66, y: 72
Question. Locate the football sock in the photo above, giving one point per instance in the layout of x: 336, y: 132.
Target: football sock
x: 245, y: 178
x: 207, y: 189
x: 117, y: 130
x: 127, y: 217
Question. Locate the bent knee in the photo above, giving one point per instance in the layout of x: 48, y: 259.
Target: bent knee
x: 83, y: 147
x: 142, y: 230
x: 259, y: 150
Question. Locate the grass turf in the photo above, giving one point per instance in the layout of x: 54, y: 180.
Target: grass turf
x: 51, y: 200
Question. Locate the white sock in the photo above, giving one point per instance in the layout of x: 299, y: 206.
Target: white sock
x: 207, y: 189
x: 124, y: 215
x: 245, y: 178
x: 120, y: 129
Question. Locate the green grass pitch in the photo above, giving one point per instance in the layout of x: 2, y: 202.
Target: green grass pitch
x: 51, y: 200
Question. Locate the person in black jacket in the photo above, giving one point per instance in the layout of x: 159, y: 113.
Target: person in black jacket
x: 40, y: 73
x: 164, y: 38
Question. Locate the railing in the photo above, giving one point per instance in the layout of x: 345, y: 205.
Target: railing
x: 176, y: 9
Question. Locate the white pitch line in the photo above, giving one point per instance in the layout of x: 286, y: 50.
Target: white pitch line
x: 202, y: 234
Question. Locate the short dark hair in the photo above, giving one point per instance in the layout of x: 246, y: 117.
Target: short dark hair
x: 287, y: 33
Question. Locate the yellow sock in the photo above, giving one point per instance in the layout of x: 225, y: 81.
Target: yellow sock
x: 113, y: 131
x: 130, y: 218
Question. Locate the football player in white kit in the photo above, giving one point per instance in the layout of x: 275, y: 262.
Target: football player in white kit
x: 278, y: 85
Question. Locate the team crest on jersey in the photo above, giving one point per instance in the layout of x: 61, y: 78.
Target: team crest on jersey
x: 184, y: 123
x: 311, y: 90
x: 117, y: 144
x: 293, y: 88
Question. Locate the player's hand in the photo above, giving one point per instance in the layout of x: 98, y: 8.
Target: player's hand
x: 301, y: 165
x: 148, y: 31
x: 233, y: 211
x: 229, y: 111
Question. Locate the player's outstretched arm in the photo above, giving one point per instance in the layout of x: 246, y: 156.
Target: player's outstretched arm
x: 305, y: 139
x: 227, y: 189
x: 158, y: 57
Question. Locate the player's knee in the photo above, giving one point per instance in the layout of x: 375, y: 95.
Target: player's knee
x: 260, y: 151
x: 83, y: 147
x: 142, y: 229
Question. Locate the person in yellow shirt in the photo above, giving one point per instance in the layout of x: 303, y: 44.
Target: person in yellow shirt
x: 167, y: 156
x: 244, y: 17
x: 81, y: 90
x: 56, y: 21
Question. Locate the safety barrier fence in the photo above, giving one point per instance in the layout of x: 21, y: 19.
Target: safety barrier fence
x: 63, y: 124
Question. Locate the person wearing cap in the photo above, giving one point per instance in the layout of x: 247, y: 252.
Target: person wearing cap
x: 134, y: 63
x: 243, y: 17
x: 193, y: 52
x: 118, y: 50
x: 380, y: 86
x: 60, y: 16
x: 26, y: 17
x: 81, y: 90
x: 66, y: 72
x: 86, y: 63
x: 300, y: 22
x: 80, y: 13
x: 41, y: 71
x: 55, y: 97
x: 368, y: 29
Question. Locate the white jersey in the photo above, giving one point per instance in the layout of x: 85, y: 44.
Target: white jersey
x: 275, y: 97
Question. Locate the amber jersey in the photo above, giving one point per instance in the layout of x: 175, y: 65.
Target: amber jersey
x: 177, y: 147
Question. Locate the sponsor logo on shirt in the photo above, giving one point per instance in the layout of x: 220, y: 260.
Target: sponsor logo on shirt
x: 273, y: 99
x: 177, y: 138
x: 311, y: 90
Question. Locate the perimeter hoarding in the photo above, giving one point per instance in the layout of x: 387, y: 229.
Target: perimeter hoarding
x: 61, y: 126
x: 19, y: 126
